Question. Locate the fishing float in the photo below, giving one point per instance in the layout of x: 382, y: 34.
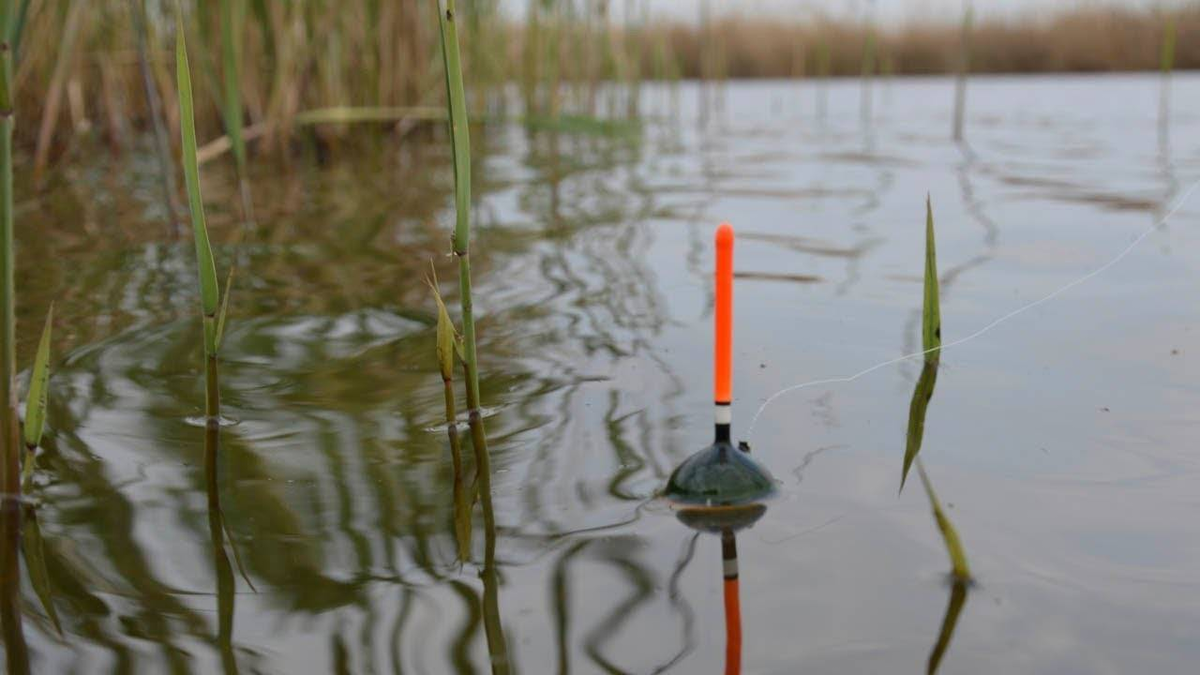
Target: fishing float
x: 722, y: 475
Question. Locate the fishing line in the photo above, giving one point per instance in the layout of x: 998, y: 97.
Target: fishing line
x: 1020, y: 310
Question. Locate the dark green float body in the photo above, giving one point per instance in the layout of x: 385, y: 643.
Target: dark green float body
x: 720, y: 475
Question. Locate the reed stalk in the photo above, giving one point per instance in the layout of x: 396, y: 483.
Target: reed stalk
x: 824, y: 59
x: 162, y: 148
x: 66, y: 49
x: 461, y: 142
x: 964, y: 67
x: 9, y: 426
x: 231, y: 102
x: 212, y: 309
x: 1166, y: 65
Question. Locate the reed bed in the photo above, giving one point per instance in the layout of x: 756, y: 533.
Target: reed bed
x: 1079, y: 39
x: 265, y: 65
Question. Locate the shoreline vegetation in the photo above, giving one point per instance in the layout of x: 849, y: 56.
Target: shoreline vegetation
x: 323, y: 69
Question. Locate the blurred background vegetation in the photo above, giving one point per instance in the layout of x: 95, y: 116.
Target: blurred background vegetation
x: 326, y: 64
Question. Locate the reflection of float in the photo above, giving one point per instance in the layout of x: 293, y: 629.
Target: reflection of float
x: 726, y: 520
x: 720, y: 489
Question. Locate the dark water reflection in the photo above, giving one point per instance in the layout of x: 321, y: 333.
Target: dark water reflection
x: 1063, y: 439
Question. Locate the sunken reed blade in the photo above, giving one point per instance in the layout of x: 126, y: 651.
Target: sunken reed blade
x: 721, y: 474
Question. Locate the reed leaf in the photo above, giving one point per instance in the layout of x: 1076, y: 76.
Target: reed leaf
x: 35, y: 403
x: 209, y: 290
x: 446, y: 335
x: 931, y: 313
x: 922, y: 394
x: 33, y: 547
x: 447, y: 342
x: 958, y: 558
x: 224, y: 306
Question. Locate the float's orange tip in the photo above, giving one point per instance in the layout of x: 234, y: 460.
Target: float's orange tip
x: 724, y: 234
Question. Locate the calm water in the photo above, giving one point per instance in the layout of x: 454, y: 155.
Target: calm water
x: 1061, y: 441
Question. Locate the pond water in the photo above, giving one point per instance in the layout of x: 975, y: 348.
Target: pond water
x: 1062, y: 441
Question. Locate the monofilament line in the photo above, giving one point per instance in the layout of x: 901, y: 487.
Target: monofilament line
x: 1020, y: 310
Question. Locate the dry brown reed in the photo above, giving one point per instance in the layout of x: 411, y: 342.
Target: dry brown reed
x: 78, y: 72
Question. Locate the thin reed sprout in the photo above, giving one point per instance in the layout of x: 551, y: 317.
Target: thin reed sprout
x: 212, y: 308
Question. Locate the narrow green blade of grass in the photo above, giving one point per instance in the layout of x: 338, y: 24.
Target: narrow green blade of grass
x: 35, y: 560
x: 958, y: 557
x: 209, y: 290
x: 35, y: 403
x: 958, y: 598
x: 916, y: 416
x: 931, y: 313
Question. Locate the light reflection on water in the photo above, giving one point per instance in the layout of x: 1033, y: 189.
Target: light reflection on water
x: 1061, y: 440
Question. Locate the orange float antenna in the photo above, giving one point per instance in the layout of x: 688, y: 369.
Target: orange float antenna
x: 723, y: 338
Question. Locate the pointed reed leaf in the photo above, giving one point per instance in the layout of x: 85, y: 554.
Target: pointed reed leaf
x: 209, y: 290
x: 224, y: 306
x: 931, y: 313
x: 958, y: 557
x: 460, y: 134
x: 35, y: 560
x: 446, y: 335
x: 922, y: 394
x: 35, y: 403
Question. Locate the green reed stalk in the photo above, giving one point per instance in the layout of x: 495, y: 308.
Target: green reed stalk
x: 823, y: 67
x: 162, y: 148
x: 212, y: 311
x: 9, y: 434
x: 232, y: 99
x: 1167, y: 55
x: 964, y: 66
x: 868, y: 73
x: 461, y: 141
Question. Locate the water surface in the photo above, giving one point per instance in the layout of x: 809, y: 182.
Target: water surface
x: 1060, y: 441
